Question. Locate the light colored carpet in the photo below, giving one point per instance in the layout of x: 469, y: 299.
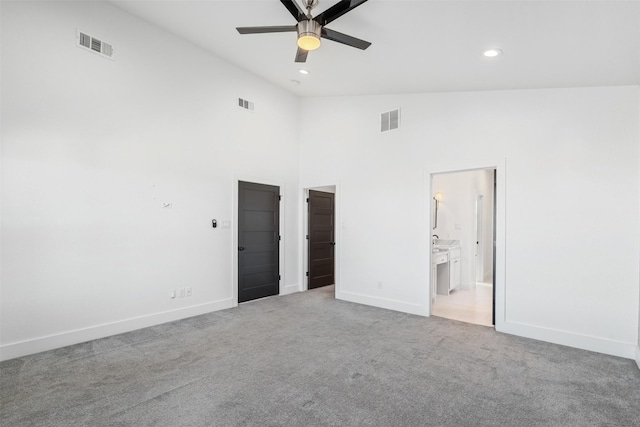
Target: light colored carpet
x: 310, y: 360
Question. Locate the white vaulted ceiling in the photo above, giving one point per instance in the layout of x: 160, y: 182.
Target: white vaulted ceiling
x: 421, y: 45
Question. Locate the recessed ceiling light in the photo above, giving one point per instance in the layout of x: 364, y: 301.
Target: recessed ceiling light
x: 492, y: 53
x: 305, y: 72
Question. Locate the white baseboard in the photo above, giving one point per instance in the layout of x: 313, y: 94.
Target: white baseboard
x: 37, y: 345
x: 290, y: 289
x: 389, y: 304
x: 570, y: 339
x: 584, y: 342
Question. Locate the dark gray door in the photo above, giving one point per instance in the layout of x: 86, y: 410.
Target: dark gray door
x: 258, y: 241
x: 321, y: 239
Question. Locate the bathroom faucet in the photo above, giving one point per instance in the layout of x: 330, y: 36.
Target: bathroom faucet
x: 434, y: 238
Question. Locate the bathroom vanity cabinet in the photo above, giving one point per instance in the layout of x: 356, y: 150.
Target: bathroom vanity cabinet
x: 439, y: 272
x: 454, y: 268
x: 445, y: 270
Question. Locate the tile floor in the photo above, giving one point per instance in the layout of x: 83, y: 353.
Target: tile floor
x: 472, y: 306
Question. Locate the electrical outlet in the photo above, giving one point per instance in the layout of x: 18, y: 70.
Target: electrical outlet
x: 181, y: 293
x: 172, y: 293
x: 188, y: 291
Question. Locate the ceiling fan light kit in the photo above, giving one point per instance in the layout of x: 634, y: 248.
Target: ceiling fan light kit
x: 309, y: 35
x: 311, y: 29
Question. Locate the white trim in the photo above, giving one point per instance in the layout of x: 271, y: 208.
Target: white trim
x: 571, y: 339
x: 303, y: 256
x: 50, y: 342
x: 638, y: 356
x: 389, y: 304
x: 427, y: 209
x: 290, y: 289
x: 303, y: 253
x: 500, y: 272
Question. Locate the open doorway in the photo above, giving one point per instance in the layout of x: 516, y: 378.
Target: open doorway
x: 462, y: 259
x: 319, y: 258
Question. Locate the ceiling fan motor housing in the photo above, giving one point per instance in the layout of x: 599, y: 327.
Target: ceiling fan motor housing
x: 309, y: 34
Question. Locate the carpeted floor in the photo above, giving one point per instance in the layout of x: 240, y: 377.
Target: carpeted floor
x: 309, y: 360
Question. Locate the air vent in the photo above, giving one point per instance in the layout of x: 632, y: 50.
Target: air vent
x: 85, y: 40
x: 390, y: 120
x: 247, y: 105
x: 95, y: 45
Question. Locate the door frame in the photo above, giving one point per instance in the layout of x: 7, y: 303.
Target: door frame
x: 304, y: 226
x: 499, y: 259
x: 234, y: 231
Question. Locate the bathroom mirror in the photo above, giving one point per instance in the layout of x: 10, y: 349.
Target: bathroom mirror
x: 434, y: 213
x: 436, y: 204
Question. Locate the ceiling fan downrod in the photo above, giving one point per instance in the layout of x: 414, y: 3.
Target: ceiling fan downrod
x: 309, y: 5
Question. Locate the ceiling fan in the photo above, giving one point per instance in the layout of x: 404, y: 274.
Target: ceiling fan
x: 311, y: 29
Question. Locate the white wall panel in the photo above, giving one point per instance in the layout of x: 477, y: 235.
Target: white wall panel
x: 570, y: 195
x: 92, y: 148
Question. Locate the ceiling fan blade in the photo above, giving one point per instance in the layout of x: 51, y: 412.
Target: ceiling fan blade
x: 293, y: 7
x: 301, y: 55
x: 344, y: 39
x: 273, y: 29
x: 337, y: 10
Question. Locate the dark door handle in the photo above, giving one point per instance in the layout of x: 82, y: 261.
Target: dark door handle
x: 241, y: 248
x: 332, y: 243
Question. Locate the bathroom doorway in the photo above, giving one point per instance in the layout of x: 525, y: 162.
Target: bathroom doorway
x: 463, y: 246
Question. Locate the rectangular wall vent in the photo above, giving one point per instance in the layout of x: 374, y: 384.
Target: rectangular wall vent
x: 247, y: 105
x: 95, y: 45
x: 390, y: 120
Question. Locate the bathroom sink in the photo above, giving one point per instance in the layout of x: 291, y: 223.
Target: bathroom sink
x: 444, y: 245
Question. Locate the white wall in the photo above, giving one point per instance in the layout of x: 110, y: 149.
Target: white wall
x: 568, y: 194
x: 457, y: 217
x: 91, y: 148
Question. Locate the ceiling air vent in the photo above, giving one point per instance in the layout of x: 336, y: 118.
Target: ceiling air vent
x: 247, y: 105
x: 95, y: 45
x: 390, y: 120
